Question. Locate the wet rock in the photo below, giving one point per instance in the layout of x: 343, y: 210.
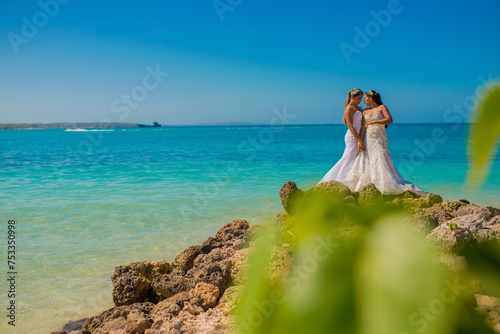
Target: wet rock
x: 123, y: 319
x: 132, y: 283
x: 290, y: 195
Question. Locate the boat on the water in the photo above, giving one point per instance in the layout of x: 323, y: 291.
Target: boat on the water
x: 155, y: 125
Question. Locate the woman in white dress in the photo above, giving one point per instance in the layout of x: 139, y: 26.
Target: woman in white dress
x: 353, y: 119
x: 375, y: 164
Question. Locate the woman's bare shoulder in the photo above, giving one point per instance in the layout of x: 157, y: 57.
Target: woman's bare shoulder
x: 383, y: 107
x: 349, y: 108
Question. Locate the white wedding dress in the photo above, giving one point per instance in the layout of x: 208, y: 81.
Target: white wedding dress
x: 344, y: 165
x: 375, y: 164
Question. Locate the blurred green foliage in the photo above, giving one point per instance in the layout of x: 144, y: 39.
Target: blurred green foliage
x: 365, y: 270
x: 484, y: 133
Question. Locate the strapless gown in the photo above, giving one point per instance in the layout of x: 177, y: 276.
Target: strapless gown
x: 344, y: 165
x: 375, y: 164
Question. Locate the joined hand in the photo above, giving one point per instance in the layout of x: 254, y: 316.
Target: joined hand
x: 361, y: 146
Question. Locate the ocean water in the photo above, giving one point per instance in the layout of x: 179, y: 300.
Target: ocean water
x: 87, y: 201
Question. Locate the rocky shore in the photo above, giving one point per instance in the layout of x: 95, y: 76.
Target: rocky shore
x: 197, y: 292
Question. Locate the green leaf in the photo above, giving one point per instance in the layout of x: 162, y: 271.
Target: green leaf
x: 399, y: 287
x: 358, y: 272
x: 484, y: 134
x: 256, y: 305
x: 484, y: 263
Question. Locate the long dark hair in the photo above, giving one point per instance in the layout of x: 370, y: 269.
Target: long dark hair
x: 352, y: 93
x: 376, y: 98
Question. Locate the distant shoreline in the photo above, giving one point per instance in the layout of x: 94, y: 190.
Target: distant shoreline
x: 63, y: 125
x: 97, y: 125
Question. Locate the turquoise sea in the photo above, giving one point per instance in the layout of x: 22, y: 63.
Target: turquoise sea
x: 87, y: 201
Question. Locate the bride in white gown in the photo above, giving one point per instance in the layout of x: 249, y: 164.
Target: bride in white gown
x: 375, y: 164
x: 353, y: 119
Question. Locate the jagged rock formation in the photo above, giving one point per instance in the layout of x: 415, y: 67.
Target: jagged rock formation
x: 197, y: 292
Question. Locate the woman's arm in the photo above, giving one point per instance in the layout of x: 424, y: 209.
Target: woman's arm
x: 384, y: 121
x: 362, y: 131
x: 363, y: 127
x: 348, y: 115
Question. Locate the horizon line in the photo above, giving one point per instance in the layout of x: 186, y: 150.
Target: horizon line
x: 127, y: 124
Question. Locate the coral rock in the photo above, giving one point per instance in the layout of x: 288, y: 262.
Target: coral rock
x: 485, y: 212
x: 132, y: 283
x: 467, y: 227
x: 334, y: 188
x: 213, y: 268
x: 369, y: 194
x: 168, y: 285
x: 123, y: 319
x: 184, y: 261
x: 205, y: 295
x: 231, y: 232
x: 290, y: 195
x: 428, y: 200
x: 445, y: 211
x: 162, y: 315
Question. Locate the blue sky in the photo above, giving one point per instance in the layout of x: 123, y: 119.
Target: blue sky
x: 236, y: 65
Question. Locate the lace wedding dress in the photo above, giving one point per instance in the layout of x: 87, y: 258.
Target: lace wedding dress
x: 344, y: 165
x: 375, y: 164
